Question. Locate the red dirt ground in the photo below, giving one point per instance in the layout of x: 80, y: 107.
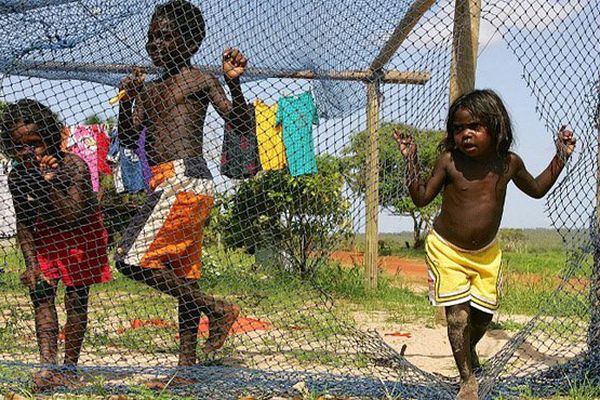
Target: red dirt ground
x: 412, y: 269
x: 415, y: 270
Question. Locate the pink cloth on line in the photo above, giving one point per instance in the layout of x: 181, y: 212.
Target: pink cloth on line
x: 91, y: 143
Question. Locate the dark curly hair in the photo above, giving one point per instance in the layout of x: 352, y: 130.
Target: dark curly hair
x: 486, y: 106
x: 28, y: 111
x: 187, y: 18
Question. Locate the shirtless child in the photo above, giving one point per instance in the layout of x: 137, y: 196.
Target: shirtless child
x: 162, y: 246
x: 473, y: 170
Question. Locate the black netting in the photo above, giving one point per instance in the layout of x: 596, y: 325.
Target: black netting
x: 207, y: 203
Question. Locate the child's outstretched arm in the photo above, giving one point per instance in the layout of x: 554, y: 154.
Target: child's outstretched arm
x: 234, y: 66
x: 539, y: 186
x: 421, y: 191
x: 130, y: 114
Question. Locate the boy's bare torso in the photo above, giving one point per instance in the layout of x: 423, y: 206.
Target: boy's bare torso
x: 174, y: 110
x: 473, y: 200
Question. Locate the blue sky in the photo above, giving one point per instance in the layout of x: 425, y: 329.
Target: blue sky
x: 498, y: 69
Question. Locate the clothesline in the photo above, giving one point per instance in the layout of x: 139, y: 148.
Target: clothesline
x: 405, y: 77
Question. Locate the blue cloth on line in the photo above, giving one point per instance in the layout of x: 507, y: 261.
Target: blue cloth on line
x: 297, y: 114
x: 130, y: 166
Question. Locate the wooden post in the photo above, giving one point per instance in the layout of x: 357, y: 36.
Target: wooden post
x: 405, y: 77
x: 401, y: 32
x: 404, y: 27
x: 465, y: 43
x: 372, y: 182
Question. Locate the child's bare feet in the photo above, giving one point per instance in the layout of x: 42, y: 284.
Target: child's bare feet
x: 42, y: 380
x: 219, y: 328
x: 469, y: 389
x: 48, y: 379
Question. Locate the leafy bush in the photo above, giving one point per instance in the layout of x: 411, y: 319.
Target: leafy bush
x: 513, y: 240
x: 298, y: 218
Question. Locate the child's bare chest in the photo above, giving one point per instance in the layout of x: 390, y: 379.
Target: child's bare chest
x: 177, y: 98
x: 477, y: 183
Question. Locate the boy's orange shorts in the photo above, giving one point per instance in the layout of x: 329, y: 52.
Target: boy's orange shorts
x: 168, y: 230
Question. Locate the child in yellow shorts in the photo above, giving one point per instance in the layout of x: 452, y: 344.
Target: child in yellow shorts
x: 472, y: 171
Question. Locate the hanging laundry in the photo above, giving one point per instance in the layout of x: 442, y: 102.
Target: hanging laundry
x: 127, y: 170
x: 103, y: 145
x: 269, y: 138
x: 239, y: 155
x: 297, y: 114
x: 141, y: 153
x: 91, y: 143
x: 8, y: 222
x: 113, y: 159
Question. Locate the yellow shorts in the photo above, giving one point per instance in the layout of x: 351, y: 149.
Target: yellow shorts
x: 168, y: 230
x: 457, y: 276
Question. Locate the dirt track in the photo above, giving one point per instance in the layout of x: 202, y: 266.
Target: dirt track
x: 413, y: 270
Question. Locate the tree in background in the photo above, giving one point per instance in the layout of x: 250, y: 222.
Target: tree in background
x: 298, y: 218
x: 393, y: 192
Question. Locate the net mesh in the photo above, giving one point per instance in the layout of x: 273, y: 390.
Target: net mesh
x: 263, y: 206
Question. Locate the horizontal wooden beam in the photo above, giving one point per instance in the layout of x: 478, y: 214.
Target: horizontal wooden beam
x: 405, y: 77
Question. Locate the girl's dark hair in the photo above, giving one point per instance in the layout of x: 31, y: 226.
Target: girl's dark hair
x: 486, y: 106
x: 30, y: 111
x: 188, y: 19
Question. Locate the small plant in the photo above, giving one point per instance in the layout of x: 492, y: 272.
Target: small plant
x: 298, y: 220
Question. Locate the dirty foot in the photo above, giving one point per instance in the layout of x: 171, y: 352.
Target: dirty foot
x: 469, y: 390
x: 219, y: 328
x: 49, y: 379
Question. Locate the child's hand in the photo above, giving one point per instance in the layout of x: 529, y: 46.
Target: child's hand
x: 132, y: 83
x: 406, y: 144
x: 565, y: 142
x: 234, y: 63
x: 48, y: 166
x: 31, y: 276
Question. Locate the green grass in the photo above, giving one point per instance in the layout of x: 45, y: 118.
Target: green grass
x: 287, y: 300
x: 577, y: 391
x: 347, y: 285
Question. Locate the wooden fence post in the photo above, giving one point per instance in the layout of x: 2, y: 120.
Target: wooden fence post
x: 372, y: 183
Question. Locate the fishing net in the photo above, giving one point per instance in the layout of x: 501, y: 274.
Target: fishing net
x: 188, y: 204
